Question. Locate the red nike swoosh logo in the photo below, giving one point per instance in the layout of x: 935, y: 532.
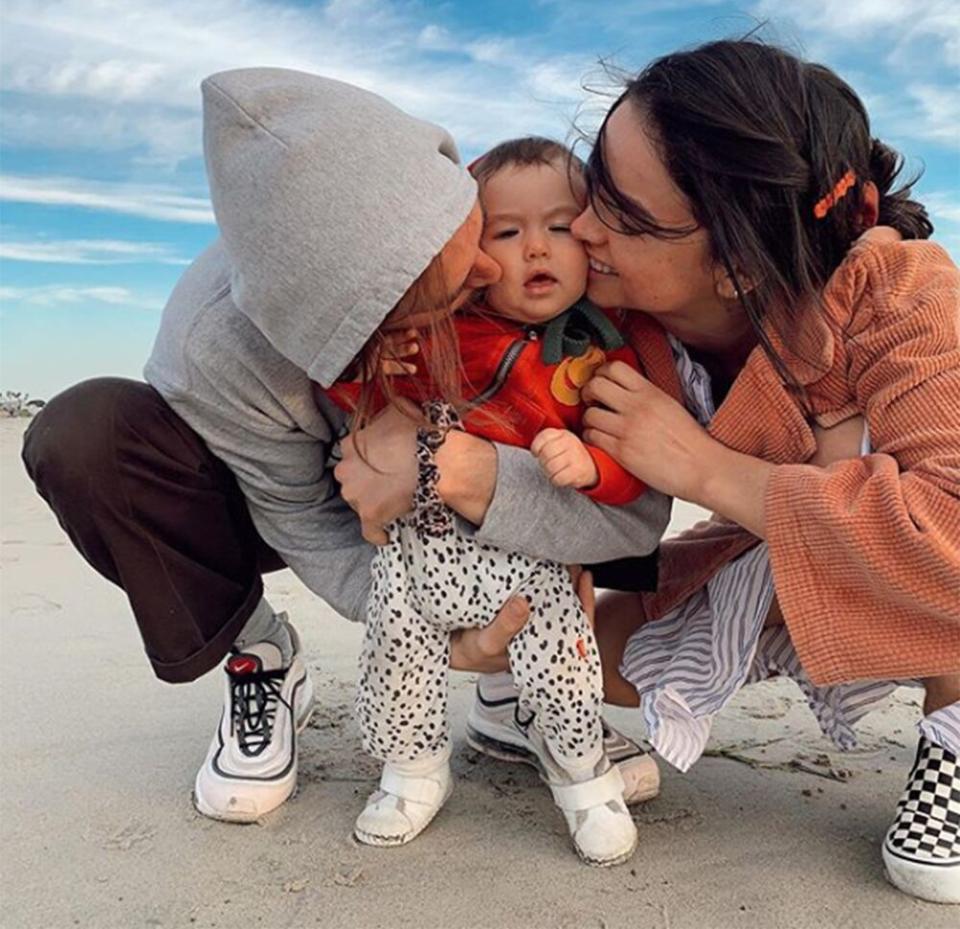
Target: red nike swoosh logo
x: 243, y: 665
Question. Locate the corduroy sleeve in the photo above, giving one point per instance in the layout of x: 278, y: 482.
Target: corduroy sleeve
x: 866, y: 553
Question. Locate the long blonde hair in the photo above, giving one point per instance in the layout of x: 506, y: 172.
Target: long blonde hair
x: 442, y: 362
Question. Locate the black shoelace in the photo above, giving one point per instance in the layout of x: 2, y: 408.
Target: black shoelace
x: 255, y: 698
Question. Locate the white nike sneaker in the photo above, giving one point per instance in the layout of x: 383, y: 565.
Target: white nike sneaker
x: 495, y: 728
x: 251, y: 767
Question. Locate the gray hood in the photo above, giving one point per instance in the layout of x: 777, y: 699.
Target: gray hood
x: 330, y: 202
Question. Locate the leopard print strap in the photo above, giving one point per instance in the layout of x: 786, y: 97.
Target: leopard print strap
x: 431, y: 516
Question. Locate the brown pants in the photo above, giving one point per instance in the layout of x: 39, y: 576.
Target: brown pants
x: 154, y: 511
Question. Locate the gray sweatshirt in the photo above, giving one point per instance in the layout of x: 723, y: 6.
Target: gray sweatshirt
x: 330, y: 203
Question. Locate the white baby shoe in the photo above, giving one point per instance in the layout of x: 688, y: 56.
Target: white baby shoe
x: 601, y: 827
x: 411, y: 793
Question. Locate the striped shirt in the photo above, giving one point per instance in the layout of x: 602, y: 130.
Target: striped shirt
x: 689, y: 664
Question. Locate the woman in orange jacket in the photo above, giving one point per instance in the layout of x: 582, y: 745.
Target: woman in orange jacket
x: 802, y: 348
x: 739, y: 215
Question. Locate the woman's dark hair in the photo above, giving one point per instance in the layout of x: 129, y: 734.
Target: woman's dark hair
x: 755, y: 138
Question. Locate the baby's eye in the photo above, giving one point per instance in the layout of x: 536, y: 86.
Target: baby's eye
x: 560, y: 228
x: 505, y: 234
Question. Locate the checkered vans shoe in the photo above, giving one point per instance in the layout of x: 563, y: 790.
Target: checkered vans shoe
x: 921, y: 852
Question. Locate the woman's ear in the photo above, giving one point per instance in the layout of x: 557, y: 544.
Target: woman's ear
x: 731, y: 285
x: 869, y: 211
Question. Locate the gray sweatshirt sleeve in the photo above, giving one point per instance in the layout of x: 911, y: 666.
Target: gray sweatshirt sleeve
x: 529, y: 514
x: 281, y: 461
x: 296, y: 507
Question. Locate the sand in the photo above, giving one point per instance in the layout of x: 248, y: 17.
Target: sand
x: 773, y: 829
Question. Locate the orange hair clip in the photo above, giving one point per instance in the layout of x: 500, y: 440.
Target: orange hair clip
x: 825, y: 204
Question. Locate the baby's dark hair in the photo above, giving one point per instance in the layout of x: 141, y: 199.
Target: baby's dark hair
x: 529, y: 150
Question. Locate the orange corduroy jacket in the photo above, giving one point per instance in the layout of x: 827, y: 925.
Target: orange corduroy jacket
x: 865, y: 553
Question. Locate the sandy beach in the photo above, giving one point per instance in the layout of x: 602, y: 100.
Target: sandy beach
x: 773, y: 829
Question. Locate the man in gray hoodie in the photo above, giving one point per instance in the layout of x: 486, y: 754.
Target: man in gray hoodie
x: 330, y: 203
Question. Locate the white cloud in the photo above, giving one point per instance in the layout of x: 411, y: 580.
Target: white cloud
x: 87, y: 252
x: 943, y: 206
x: 115, y: 79
x: 147, y: 201
x: 495, y: 51
x: 905, y: 55
x: 939, y: 109
x: 903, y: 36
x: 124, y: 74
x: 160, y: 136
x: 118, y: 74
x: 435, y: 38
x: 57, y: 295
x: 848, y: 20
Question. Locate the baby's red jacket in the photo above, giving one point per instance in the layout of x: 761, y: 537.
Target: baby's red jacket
x: 512, y: 394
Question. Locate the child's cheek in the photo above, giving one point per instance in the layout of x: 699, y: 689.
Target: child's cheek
x: 496, y: 299
x: 579, y: 264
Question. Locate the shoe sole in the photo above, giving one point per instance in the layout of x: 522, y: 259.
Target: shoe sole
x: 391, y: 841
x: 933, y: 883
x: 647, y: 788
x: 608, y: 862
x: 246, y: 819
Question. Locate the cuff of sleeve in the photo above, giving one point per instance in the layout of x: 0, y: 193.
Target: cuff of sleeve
x: 615, y: 485
x: 359, y: 612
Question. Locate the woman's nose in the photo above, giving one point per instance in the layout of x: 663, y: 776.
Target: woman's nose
x: 587, y: 227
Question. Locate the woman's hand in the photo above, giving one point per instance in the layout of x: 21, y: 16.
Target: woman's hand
x: 381, y: 488
x: 647, y: 431
x: 396, y: 347
x: 656, y: 439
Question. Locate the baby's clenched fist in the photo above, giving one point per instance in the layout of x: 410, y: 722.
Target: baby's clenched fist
x: 565, y: 459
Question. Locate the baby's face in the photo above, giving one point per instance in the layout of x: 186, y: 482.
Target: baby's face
x: 528, y: 210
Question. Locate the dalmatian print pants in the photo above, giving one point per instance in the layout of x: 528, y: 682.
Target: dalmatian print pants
x: 427, y: 585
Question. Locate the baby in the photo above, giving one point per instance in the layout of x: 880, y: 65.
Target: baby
x: 527, y: 346
x: 531, y: 190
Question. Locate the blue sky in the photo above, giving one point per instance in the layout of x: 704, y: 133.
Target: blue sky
x: 103, y: 195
